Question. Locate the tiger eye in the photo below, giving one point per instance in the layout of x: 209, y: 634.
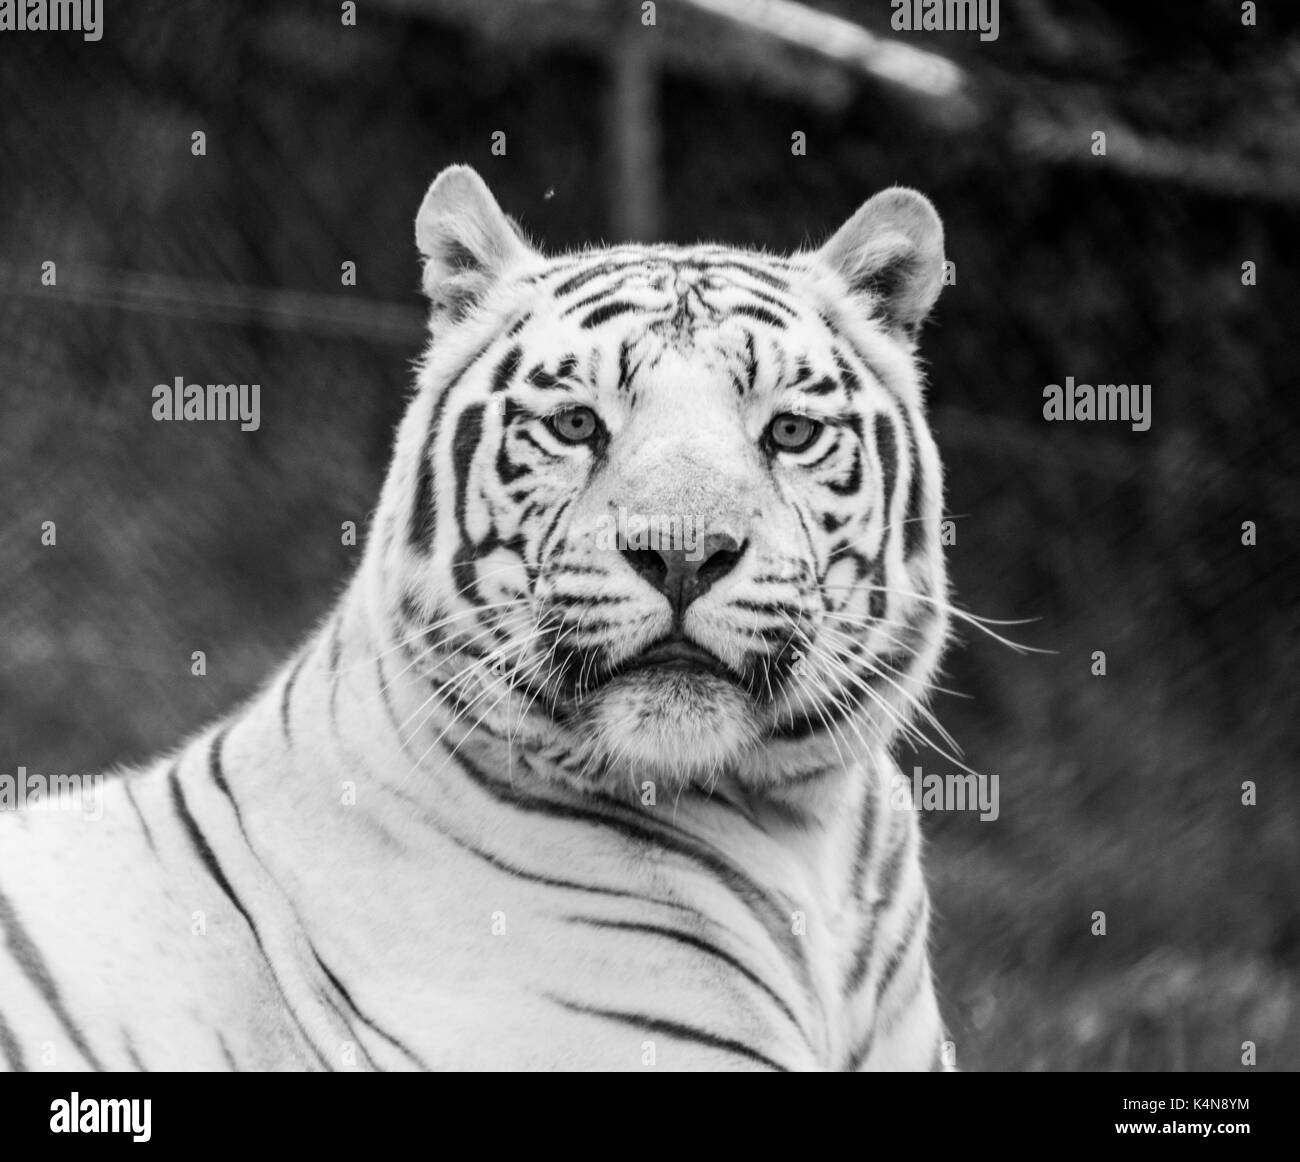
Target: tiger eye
x: 790, y: 432
x: 574, y: 426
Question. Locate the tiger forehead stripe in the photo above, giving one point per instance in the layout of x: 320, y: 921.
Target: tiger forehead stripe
x: 583, y: 277
x: 783, y: 304
x: 603, y: 314
x: 542, y: 379
x: 506, y: 369
x: 824, y: 386
x: 760, y: 268
x: 595, y: 297
x: 762, y: 314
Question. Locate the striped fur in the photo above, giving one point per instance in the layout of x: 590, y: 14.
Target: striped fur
x: 455, y: 830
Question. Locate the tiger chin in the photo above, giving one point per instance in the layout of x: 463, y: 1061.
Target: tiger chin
x: 589, y: 768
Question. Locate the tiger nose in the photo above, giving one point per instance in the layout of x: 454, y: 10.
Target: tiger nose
x: 684, y: 575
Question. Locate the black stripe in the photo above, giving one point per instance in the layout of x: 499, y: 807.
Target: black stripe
x: 802, y: 518
x: 336, y: 642
x: 557, y: 515
x: 761, y: 314
x: 753, y: 272
x: 347, y: 1000
x: 913, y: 529
x: 547, y: 454
x: 914, y: 525
x: 205, y: 853
x: 469, y: 431
x: 848, y: 377
x: 130, y: 798
x: 508, y: 471
x: 886, y: 886
x: 770, y: 607
x: 543, y: 380
x: 703, y: 946
x: 424, y: 516
x: 583, y: 277
x: 761, y: 903
x: 783, y: 304
x: 218, y: 775
x: 751, y: 362
x: 859, y: 1055
x: 832, y: 447
x: 893, y: 869
x: 866, y: 834
x: 823, y: 717
x: 887, y: 451
x: 604, y: 293
x: 673, y: 1029
x: 854, y: 482
x: 605, y: 313
x: 569, y: 600
x: 506, y: 369
x: 225, y: 1052
x: 9, y: 1046
x: 895, y: 961
x: 352, y: 1033
x: 580, y: 261
x: 624, y: 363
x: 209, y: 860
x: 132, y: 1054
x: 530, y: 877
x: 29, y: 959
x: 288, y: 691
x: 876, y: 599
x: 424, y: 513
x: 914, y: 985
x: 387, y: 698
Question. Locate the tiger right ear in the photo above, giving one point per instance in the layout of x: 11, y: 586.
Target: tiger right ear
x: 467, y: 241
x: 891, y: 254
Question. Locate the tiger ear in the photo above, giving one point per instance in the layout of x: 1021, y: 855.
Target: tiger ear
x: 891, y: 252
x: 467, y: 242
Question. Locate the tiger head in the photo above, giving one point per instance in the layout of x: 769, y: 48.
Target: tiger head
x: 671, y: 510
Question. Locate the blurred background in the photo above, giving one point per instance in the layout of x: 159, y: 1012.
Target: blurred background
x: 1119, y: 793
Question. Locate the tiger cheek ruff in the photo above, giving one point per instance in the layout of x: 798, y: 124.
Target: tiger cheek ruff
x: 589, y: 766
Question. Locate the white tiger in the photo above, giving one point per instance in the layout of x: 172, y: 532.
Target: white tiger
x: 589, y: 767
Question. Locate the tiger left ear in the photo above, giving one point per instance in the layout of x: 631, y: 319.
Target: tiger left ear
x: 891, y: 252
x: 467, y: 241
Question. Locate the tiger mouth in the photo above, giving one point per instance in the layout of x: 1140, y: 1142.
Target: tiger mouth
x: 674, y: 654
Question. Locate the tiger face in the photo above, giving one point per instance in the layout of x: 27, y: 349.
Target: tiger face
x: 675, y: 508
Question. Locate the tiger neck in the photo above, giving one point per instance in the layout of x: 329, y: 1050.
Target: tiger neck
x: 392, y: 756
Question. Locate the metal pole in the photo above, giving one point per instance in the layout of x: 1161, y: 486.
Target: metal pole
x: 633, y: 128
